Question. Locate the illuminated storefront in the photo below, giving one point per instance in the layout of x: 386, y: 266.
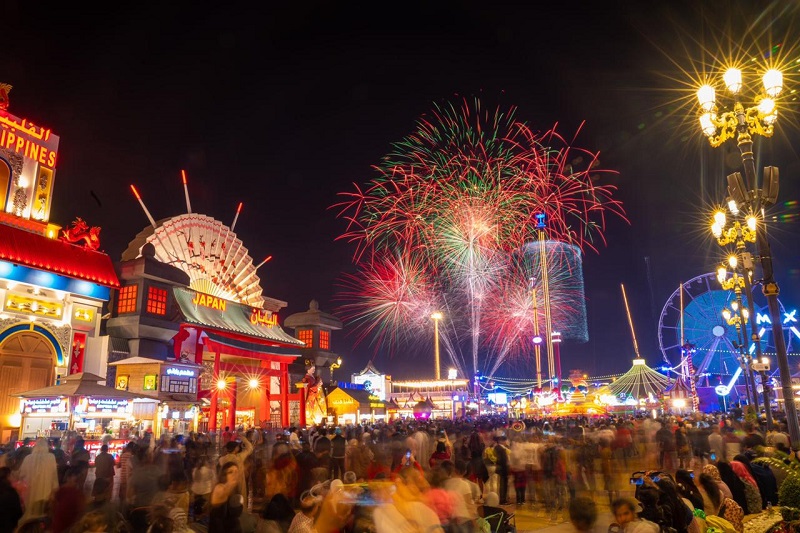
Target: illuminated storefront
x: 175, y: 384
x: 446, y: 398
x: 52, y: 283
x: 354, y: 405
x: 373, y: 381
x: 81, y: 404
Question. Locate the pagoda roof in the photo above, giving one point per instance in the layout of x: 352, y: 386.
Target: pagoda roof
x: 33, y: 250
x: 235, y: 318
x: 679, y: 385
x: 370, y: 369
x: 313, y: 317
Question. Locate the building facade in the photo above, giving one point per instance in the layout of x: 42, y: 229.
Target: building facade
x: 53, y: 282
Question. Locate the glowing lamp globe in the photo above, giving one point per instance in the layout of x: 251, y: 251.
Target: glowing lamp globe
x: 766, y: 106
x: 773, y: 82
x: 733, y: 80
x: 707, y: 124
x: 706, y: 96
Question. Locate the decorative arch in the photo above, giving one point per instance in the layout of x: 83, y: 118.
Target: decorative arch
x: 44, y: 332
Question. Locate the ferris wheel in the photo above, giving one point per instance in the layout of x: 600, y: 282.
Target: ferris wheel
x: 715, y: 342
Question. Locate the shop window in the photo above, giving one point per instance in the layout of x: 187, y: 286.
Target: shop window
x: 156, y: 301
x: 324, y: 340
x: 170, y: 384
x: 307, y: 336
x: 126, y: 303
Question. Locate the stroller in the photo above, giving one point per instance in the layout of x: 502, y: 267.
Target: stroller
x: 495, y: 520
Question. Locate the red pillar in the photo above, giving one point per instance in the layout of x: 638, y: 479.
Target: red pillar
x: 302, y: 388
x: 232, y: 408
x: 198, y: 347
x: 212, y: 411
x: 263, y: 405
x: 284, y: 395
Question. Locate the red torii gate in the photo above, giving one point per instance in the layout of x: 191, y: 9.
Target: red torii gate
x: 264, y: 353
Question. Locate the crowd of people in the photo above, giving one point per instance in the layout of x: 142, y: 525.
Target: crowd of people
x: 449, y: 475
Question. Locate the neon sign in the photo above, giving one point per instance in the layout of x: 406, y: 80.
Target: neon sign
x: 263, y: 317
x: 24, y: 138
x: 212, y: 302
x: 35, y: 406
x: 183, y: 372
x: 788, y: 318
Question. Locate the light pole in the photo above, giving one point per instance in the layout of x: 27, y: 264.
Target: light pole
x: 436, y: 316
x: 742, y: 123
x: 556, y: 340
x: 738, y: 319
x: 741, y: 234
x: 452, y: 375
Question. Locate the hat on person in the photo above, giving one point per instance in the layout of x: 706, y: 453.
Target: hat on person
x: 491, y: 499
x: 338, y: 431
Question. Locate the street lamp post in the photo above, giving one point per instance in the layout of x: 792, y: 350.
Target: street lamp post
x: 436, y: 316
x: 739, y: 234
x: 741, y: 122
x: 738, y: 319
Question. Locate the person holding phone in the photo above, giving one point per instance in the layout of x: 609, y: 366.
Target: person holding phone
x: 716, y: 444
x: 226, y: 502
x: 237, y: 455
x: 408, y: 461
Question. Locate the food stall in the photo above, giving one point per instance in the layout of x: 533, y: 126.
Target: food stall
x: 81, y: 405
x: 353, y: 406
x: 173, y: 383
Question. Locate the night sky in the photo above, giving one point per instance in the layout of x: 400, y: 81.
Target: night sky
x: 284, y: 107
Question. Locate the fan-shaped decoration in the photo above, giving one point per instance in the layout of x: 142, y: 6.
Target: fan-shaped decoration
x: 640, y: 382
x: 208, y: 251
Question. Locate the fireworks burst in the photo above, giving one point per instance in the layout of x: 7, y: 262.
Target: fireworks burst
x: 460, y: 196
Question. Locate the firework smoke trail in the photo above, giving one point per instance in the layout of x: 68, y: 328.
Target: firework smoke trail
x: 460, y: 195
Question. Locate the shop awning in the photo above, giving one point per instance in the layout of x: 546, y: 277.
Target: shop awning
x: 232, y: 317
x: 52, y: 255
x: 82, y: 384
x: 364, y: 399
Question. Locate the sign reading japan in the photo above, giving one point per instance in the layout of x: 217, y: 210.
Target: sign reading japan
x: 258, y: 317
